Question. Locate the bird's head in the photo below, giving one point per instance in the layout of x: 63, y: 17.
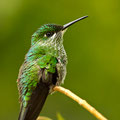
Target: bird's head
x: 52, y: 33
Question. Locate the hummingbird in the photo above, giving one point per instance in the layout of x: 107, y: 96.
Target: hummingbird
x: 44, y: 67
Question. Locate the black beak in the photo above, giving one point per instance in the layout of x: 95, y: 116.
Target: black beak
x: 70, y: 23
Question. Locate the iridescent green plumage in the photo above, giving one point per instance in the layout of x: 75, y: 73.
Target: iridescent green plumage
x: 43, y: 61
x: 44, y: 67
x: 43, y: 30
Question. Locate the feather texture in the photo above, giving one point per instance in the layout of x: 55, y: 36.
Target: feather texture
x: 43, y: 68
x: 35, y: 104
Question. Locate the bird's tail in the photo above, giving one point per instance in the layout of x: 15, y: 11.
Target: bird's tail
x: 35, y: 104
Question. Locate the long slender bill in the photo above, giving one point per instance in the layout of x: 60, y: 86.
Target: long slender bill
x: 74, y: 21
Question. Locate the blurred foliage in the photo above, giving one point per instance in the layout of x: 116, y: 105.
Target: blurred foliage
x: 59, y: 117
x: 92, y: 45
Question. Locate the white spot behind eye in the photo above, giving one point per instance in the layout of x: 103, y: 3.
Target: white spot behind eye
x: 45, y: 35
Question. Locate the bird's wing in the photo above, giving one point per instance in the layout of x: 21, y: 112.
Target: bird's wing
x: 32, y: 110
x: 34, y: 83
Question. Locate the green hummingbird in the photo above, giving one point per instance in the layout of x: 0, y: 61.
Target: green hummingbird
x: 44, y: 67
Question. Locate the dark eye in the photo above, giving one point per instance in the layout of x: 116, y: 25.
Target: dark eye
x: 49, y: 34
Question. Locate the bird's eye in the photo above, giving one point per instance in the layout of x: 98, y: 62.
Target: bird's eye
x: 49, y: 34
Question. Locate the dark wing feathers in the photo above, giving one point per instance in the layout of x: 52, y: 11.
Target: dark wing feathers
x: 38, y: 97
x: 35, y: 104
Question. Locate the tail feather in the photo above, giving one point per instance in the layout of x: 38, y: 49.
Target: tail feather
x: 35, y: 104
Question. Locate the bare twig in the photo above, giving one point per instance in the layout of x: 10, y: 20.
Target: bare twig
x: 43, y: 118
x: 80, y: 101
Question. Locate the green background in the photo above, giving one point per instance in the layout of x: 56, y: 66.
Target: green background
x: 93, y: 49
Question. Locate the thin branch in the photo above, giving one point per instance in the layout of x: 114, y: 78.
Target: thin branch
x: 80, y: 101
x: 43, y: 118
